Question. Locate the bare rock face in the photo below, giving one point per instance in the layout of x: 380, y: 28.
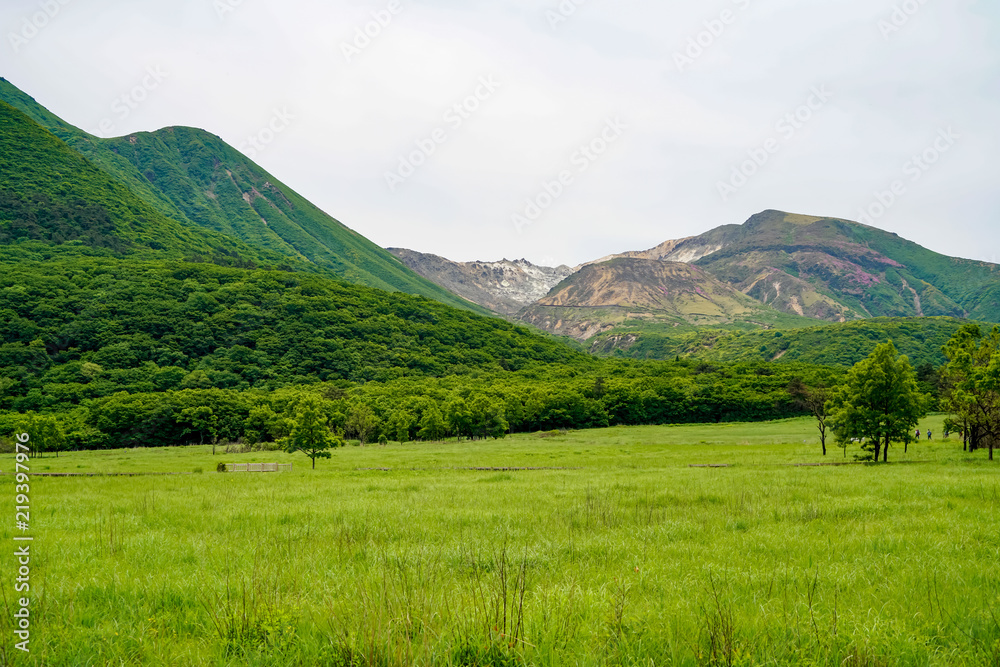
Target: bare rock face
x: 687, y: 251
x: 505, y: 287
x: 600, y: 297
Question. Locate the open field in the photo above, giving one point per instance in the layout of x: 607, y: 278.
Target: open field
x: 617, y: 552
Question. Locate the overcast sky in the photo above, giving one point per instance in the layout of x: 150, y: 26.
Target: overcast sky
x: 604, y: 125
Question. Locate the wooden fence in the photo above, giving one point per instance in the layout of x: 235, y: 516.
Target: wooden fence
x: 256, y: 467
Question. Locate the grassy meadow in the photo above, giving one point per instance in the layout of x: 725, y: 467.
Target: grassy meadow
x: 612, y: 549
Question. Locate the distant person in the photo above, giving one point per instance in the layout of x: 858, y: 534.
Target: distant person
x: 928, y: 434
x: 918, y: 434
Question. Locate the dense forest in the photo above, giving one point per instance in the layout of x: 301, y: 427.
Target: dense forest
x: 124, y: 352
x: 922, y: 339
x: 51, y: 193
x: 152, y: 326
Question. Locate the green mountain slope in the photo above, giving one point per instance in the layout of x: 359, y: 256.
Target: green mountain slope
x: 51, y: 194
x: 96, y: 150
x: 194, y: 177
x: 835, y: 269
x: 921, y: 339
x: 101, y: 293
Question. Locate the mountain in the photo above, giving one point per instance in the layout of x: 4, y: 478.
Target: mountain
x: 51, y: 194
x: 142, y: 305
x: 776, y: 271
x: 805, y: 268
x: 193, y: 177
x: 685, y: 250
x: 505, y: 287
x: 626, y: 292
x: 838, y: 270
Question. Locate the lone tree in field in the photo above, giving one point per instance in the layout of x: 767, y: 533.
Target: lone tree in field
x: 311, y: 434
x: 813, y: 399
x: 973, y: 376
x: 878, y: 402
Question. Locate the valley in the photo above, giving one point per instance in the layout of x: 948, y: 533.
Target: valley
x: 662, y: 456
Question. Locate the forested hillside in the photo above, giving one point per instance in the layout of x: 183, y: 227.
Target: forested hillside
x: 192, y: 177
x: 78, y: 328
x: 921, y: 339
x: 50, y: 193
x: 122, y: 352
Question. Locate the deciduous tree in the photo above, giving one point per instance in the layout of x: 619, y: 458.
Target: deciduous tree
x: 311, y: 434
x: 973, y: 378
x: 814, y: 400
x: 399, y: 425
x: 487, y: 418
x: 459, y: 418
x: 432, y: 426
x: 200, y: 421
x: 879, y: 402
x: 46, y: 434
x: 362, y: 423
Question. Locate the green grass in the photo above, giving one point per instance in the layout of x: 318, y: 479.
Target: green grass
x: 626, y: 555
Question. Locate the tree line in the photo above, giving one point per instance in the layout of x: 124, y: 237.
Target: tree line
x: 472, y: 406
